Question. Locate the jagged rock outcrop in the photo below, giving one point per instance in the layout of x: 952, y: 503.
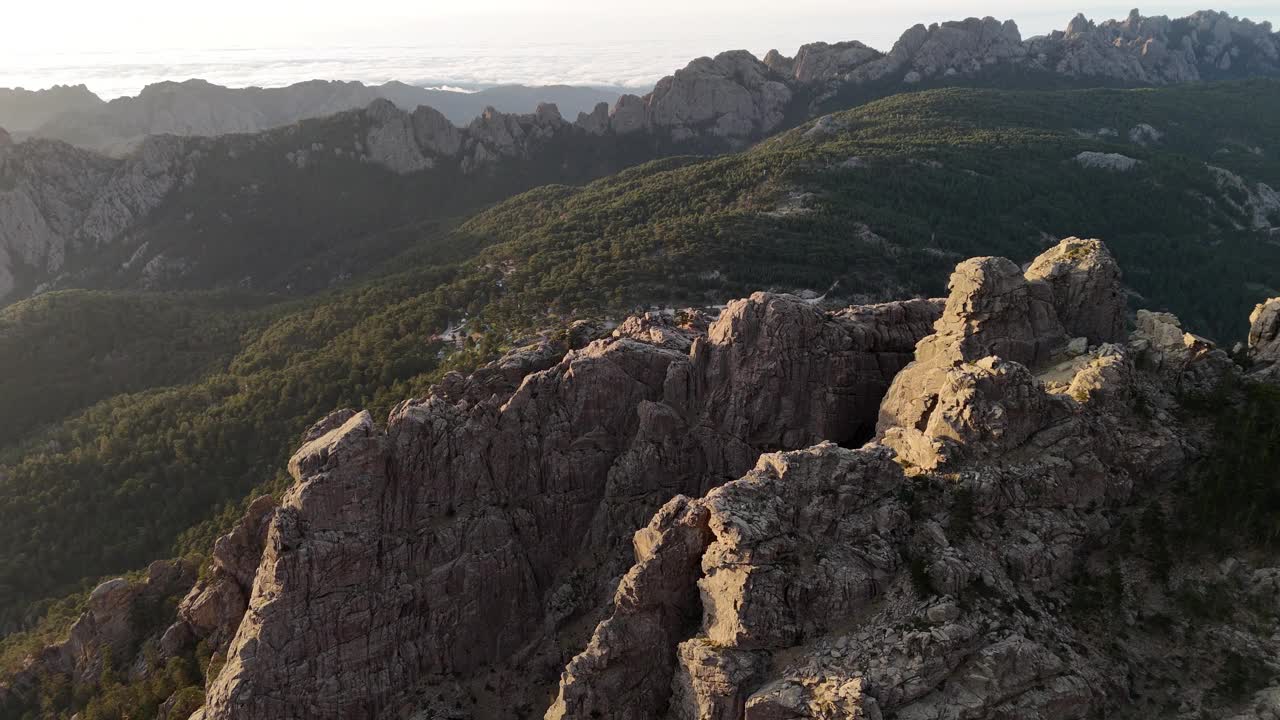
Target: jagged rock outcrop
x: 112, y: 629
x: 434, y: 133
x: 956, y: 48
x: 393, y: 139
x: 596, y: 122
x: 481, y: 521
x: 996, y: 324
x: 733, y: 96
x: 839, y: 583
x: 1085, y: 280
x: 821, y: 62
x: 1158, y: 50
x: 1259, y: 204
x: 1264, y: 339
x: 59, y: 201
x: 47, y: 192
x: 212, y: 610
x: 1187, y: 362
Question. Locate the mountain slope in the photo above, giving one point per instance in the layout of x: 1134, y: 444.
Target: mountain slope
x: 881, y: 200
x: 785, y: 215
x: 979, y: 554
x: 188, y: 213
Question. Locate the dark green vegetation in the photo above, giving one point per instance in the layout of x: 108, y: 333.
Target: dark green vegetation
x: 1233, y: 499
x: 64, y: 351
x: 935, y: 177
x: 98, y: 477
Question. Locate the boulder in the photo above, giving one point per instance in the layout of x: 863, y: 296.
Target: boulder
x: 1264, y: 338
x: 1087, y: 295
x: 1114, y: 162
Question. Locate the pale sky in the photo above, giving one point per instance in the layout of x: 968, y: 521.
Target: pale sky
x: 118, y: 46
x: 55, y: 25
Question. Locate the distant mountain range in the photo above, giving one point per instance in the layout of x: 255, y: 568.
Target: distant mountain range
x: 196, y: 107
x: 186, y: 213
x: 731, y: 99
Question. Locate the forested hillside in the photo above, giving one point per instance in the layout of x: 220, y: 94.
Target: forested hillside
x: 135, y: 425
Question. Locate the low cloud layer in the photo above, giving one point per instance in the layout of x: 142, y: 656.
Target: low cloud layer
x: 115, y: 74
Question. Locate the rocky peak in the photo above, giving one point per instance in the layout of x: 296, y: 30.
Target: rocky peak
x: 434, y: 133
x: 1085, y: 281
x: 596, y: 122
x: 733, y: 96
x: 964, y: 47
x: 628, y: 115
x: 1158, y: 50
x: 529, y: 489
x: 831, y: 583
x: 822, y: 62
x: 973, y: 377
x: 392, y: 139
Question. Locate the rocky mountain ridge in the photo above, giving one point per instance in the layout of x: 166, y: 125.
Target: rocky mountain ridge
x: 23, y: 110
x: 198, y: 107
x: 68, y: 213
x: 791, y: 570
x: 730, y: 99
x: 60, y: 205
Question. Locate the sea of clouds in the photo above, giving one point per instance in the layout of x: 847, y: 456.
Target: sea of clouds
x: 569, y: 51
x: 115, y: 73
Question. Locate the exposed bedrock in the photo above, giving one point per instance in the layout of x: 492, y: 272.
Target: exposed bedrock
x: 491, y: 512
x: 921, y: 575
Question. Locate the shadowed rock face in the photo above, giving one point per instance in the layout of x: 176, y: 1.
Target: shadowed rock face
x: 921, y: 578
x: 460, y: 535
